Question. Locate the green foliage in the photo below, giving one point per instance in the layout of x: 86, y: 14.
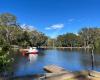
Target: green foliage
x: 7, y: 19
x: 13, y: 34
x: 5, y: 58
x: 90, y: 37
x: 70, y: 79
x: 68, y: 40
x: 5, y: 47
x: 51, y: 42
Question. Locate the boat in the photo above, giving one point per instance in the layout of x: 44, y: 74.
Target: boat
x: 31, y: 50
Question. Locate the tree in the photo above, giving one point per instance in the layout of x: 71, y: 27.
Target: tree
x: 90, y: 36
x: 69, y: 40
x: 32, y: 37
x: 37, y: 38
x: 7, y: 28
x: 5, y: 59
x: 7, y: 22
x: 7, y: 19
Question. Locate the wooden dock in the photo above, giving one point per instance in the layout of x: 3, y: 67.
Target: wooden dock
x: 59, y: 73
x: 94, y: 73
x: 55, y: 69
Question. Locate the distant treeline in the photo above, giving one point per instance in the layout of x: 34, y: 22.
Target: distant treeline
x: 86, y: 37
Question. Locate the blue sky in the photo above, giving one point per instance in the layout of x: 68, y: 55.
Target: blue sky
x: 54, y: 17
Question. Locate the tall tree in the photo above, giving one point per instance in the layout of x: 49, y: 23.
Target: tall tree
x: 90, y: 36
x: 7, y: 19
x: 7, y: 22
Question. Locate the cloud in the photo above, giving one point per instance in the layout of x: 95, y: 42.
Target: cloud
x: 30, y: 27
x: 47, y: 28
x: 55, y: 27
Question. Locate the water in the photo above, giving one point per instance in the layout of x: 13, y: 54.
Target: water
x: 73, y: 60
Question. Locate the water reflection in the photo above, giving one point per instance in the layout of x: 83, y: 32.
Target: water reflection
x: 32, y: 57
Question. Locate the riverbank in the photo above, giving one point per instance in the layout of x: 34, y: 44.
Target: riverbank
x: 66, y: 47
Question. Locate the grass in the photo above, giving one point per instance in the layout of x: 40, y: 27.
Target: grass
x: 70, y: 79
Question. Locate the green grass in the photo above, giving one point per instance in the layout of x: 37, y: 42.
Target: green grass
x: 70, y: 79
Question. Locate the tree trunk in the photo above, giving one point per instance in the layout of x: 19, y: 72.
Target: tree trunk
x: 92, y: 58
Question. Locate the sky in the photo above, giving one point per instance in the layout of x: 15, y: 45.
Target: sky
x: 54, y: 17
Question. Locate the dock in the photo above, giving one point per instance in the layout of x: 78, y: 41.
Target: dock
x: 55, y: 72
x: 95, y: 74
x: 55, y: 69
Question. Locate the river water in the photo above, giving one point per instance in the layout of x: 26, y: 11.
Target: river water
x: 73, y: 60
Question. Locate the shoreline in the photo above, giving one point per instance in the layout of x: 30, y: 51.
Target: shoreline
x: 66, y: 47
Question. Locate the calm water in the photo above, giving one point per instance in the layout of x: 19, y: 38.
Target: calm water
x: 72, y: 60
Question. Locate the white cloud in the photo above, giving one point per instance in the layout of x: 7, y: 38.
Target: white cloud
x: 47, y: 28
x: 55, y: 26
x: 30, y: 27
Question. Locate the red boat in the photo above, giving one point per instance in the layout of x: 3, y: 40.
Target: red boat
x: 31, y: 50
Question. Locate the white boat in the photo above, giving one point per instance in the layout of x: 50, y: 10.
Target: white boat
x: 32, y: 50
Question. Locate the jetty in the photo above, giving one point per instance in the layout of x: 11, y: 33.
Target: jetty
x: 55, y: 69
x: 55, y: 72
